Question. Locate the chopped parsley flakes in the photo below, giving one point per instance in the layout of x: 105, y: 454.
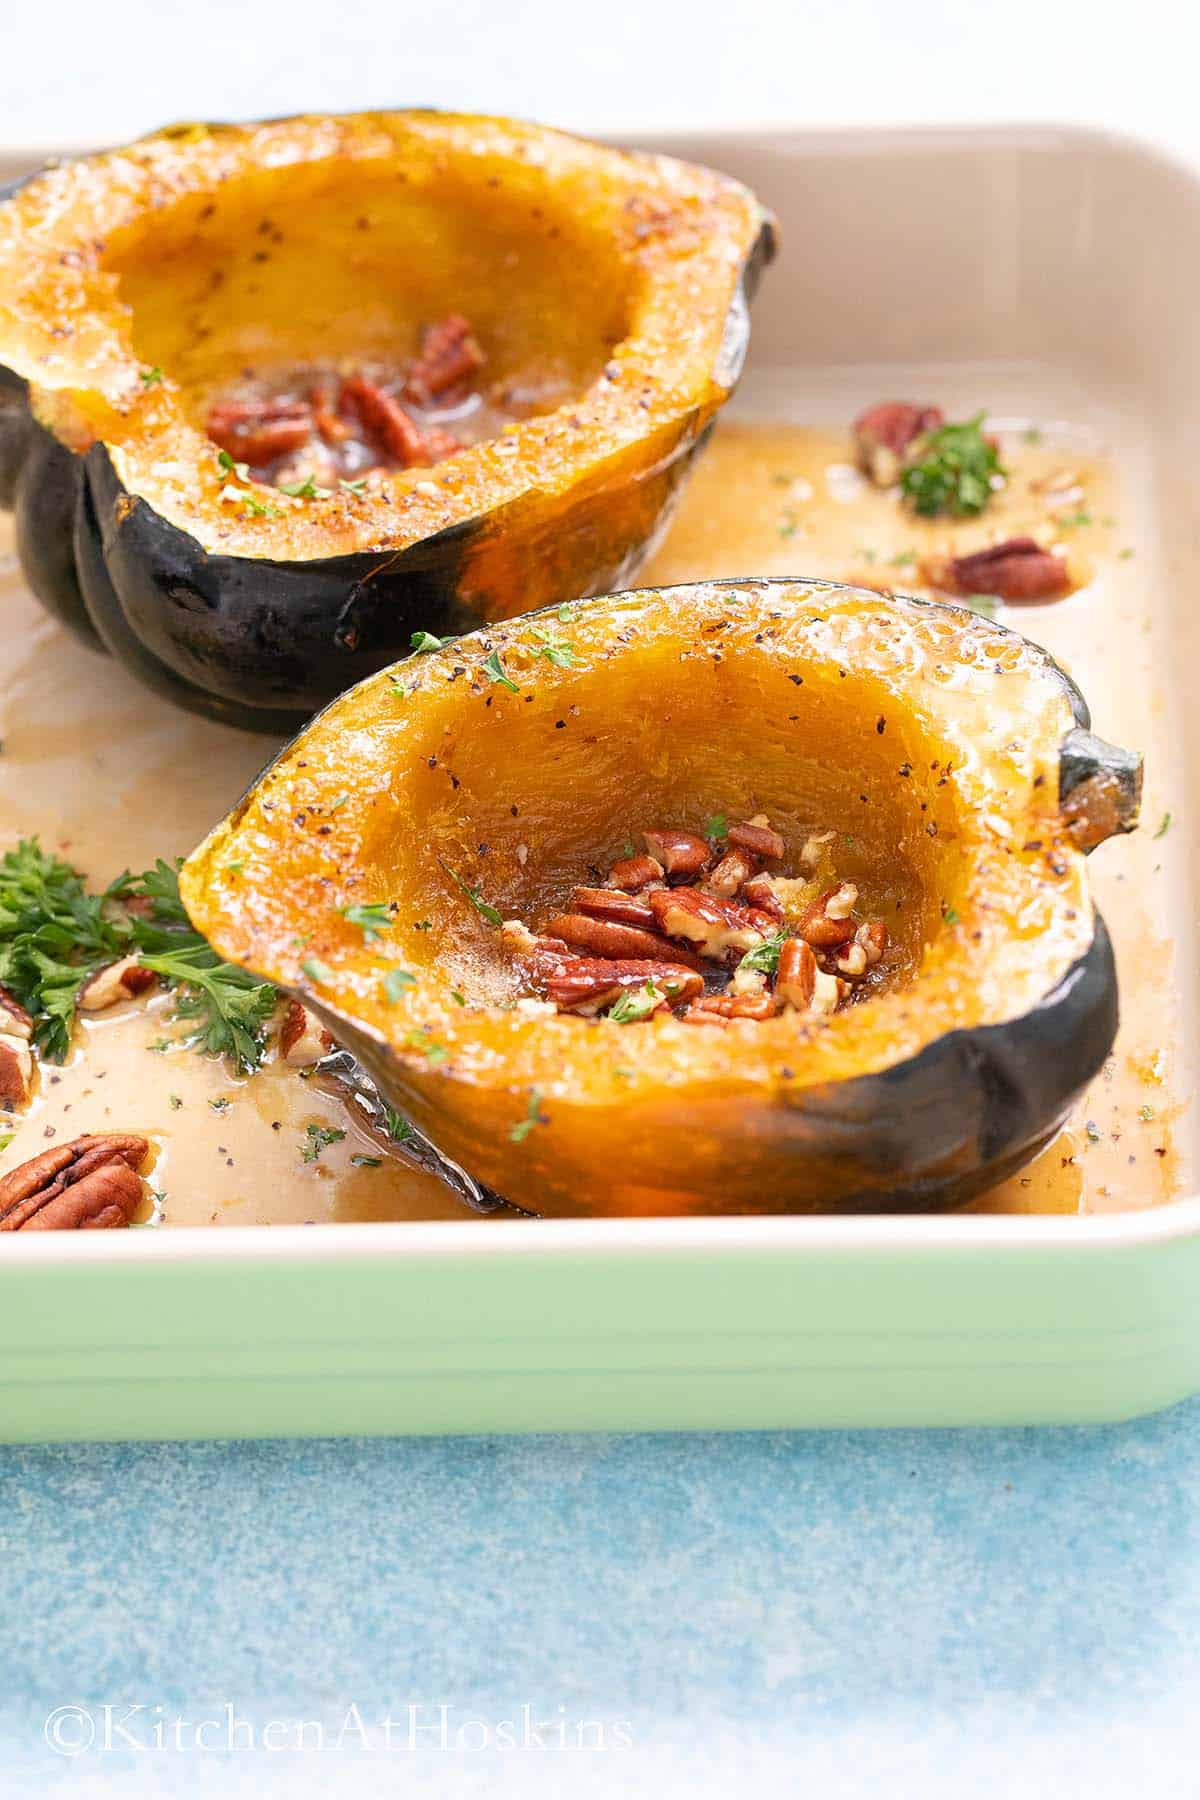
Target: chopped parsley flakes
x: 533, y: 1116
x: 396, y: 983
x: 765, y: 956
x: 318, y: 1138
x: 372, y: 919
x: 638, y: 1004
x: 555, y: 650
x: 495, y: 671
x: 490, y: 913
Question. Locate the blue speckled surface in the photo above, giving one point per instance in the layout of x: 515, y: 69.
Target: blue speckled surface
x: 886, y: 1614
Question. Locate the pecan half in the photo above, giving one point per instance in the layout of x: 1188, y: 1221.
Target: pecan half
x: 600, y: 937
x: 634, y: 873
x: 259, y: 431
x: 614, y: 904
x: 885, y: 433
x: 1018, y: 569
x: 123, y: 980
x: 302, y: 1039
x: 828, y: 920
x: 385, y: 421
x: 714, y: 925
x: 589, y: 984
x: 796, y: 977
x: 757, y: 836
x: 679, y: 852
x: 88, y: 1185
x: 720, y: 1007
x: 449, y: 356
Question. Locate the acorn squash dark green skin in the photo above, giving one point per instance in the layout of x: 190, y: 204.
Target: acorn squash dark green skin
x: 251, y: 642
x: 262, y: 643
x: 1013, y: 1087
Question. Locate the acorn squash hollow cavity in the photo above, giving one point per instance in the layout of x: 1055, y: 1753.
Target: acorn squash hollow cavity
x: 137, y: 285
x: 952, y: 757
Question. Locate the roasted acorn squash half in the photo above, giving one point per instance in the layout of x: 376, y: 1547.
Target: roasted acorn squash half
x: 137, y: 285
x: 950, y: 755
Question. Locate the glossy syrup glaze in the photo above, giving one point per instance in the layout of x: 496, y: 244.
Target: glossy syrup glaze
x: 111, y: 778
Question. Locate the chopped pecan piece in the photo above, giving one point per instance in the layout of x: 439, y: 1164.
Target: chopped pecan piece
x: 14, y: 1020
x: 302, y: 1039
x: 518, y: 938
x: 589, y: 984
x: 828, y: 993
x: 885, y: 434
x: 731, y: 873
x: 757, y: 836
x: 828, y: 920
x: 680, y: 852
x: 449, y: 356
x: 16, y: 1069
x: 747, y: 981
x: 718, y: 1008
x: 760, y: 893
x: 1018, y: 569
x: 439, y: 443
x: 539, y: 951
x: 634, y: 873
x: 714, y: 925
x: 333, y: 429
x: 873, y: 937
x: 614, y: 904
x: 814, y: 848
x: 600, y: 937
x: 88, y: 1185
x: 123, y: 980
x: 385, y: 421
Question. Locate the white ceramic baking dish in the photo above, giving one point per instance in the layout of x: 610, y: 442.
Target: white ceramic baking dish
x: 1060, y: 263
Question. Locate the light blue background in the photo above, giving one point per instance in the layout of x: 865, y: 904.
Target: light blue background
x: 947, y: 1613
x: 955, y: 1614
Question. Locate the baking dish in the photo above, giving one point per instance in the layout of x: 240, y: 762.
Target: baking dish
x: 908, y: 258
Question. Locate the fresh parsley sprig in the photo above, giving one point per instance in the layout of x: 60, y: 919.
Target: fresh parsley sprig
x: 229, y: 1006
x: 54, y: 935
x: 953, y: 472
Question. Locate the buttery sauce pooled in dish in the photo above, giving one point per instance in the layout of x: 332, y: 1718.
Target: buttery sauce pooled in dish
x: 115, y: 778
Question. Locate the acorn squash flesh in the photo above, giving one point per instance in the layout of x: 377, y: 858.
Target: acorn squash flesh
x: 936, y: 744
